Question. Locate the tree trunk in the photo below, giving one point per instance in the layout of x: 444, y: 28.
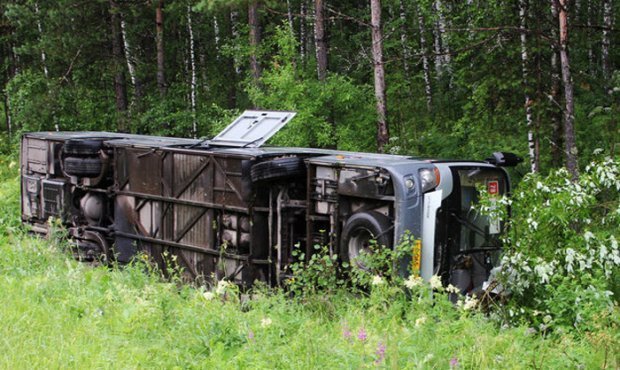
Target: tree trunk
x: 232, y: 70
x: 120, y: 85
x: 254, y: 23
x: 379, y: 74
x: 131, y: 62
x: 606, y: 42
x: 7, y: 114
x: 531, y: 140
x: 426, y: 69
x: 591, y: 66
x: 216, y: 36
x: 320, y: 39
x: 556, y: 114
x: 289, y: 13
x: 40, y: 29
x: 570, y: 148
x: 404, y: 42
x: 192, y: 62
x: 302, y: 33
x: 159, y: 21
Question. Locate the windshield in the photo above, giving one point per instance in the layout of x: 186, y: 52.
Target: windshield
x: 466, y: 241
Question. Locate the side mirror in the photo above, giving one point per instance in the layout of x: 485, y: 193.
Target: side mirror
x: 504, y: 159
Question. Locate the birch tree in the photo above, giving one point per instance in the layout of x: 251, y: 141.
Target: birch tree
x: 40, y: 30
x: 192, y: 60
x: 379, y: 74
x: 606, y: 40
x: 426, y: 71
x: 556, y: 116
x: 531, y: 140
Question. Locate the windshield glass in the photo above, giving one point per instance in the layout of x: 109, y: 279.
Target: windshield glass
x: 476, y: 230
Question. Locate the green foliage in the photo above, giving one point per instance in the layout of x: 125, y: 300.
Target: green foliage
x: 562, y: 258
x: 320, y: 274
x: 332, y: 113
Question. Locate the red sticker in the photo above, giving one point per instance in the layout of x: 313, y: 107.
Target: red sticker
x: 493, y: 187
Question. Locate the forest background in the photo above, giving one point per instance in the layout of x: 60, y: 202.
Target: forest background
x: 434, y: 78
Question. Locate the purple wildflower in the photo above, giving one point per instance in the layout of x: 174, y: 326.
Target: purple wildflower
x: 251, y: 336
x: 362, y: 335
x: 346, y: 333
x: 380, y: 352
x: 454, y: 362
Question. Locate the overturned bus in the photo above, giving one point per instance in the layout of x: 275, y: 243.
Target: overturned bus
x: 233, y: 209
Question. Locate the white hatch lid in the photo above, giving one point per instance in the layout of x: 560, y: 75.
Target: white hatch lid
x: 252, y: 129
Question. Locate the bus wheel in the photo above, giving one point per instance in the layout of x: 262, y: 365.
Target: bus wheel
x: 83, y: 147
x: 88, y: 167
x: 358, y: 235
x: 278, y: 168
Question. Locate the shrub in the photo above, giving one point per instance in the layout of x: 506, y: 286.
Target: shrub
x: 562, y: 259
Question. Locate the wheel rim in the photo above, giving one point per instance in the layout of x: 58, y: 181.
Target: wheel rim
x: 360, y: 242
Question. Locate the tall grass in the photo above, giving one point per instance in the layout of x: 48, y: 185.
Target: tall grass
x: 59, y: 313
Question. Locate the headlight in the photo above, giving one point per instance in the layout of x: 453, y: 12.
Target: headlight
x: 429, y: 178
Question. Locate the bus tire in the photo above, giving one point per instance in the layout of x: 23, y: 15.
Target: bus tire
x: 277, y: 169
x: 83, y: 167
x: 83, y: 147
x: 359, y: 232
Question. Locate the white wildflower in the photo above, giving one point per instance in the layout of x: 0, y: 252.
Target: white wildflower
x: 377, y: 280
x: 588, y: 236
x: 222, y: 286
x: 208, y: 295
x: 420, y: 321
x: 470, y: 303
x: 265, y: 322
x: 413, y: 281
x: 435, y: 282
x: 452, y: 289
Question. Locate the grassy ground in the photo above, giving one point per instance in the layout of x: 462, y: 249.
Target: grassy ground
x: 58, y: 313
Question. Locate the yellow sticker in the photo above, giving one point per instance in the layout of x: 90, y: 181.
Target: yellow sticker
x: 416, y: 257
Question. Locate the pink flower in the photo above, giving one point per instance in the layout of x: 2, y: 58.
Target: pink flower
x: 362, y: 335
x: 380, y: 352
x: 346, y: 333
x: 454, y: 362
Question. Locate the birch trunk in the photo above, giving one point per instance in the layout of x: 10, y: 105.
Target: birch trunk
x: 591, y: 66
x: 379, y: 74
x: 556, y: 116
x: 426, y: 69
x: 192, y: 63
x: 570, y: 148
x: 441, y: 25
x: 302, y: 32
x: 320, y: 39
x: 254, y: 24
x: 159, y: 38
x: 404, y: 41
x: 40, y: 29
x: 289, y: 13
x: 131, y: 67
x: 606, y: 42
x: 531, y: 140
x: 216, y: 37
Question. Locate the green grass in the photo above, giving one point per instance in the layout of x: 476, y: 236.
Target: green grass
x: 59, y: 313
